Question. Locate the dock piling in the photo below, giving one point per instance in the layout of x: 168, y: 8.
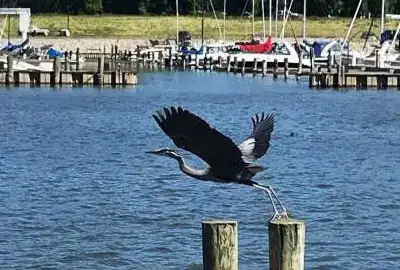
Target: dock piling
x: 286, y: 244
x: 264, y: 68
x: 55, y: 77
x: 220, y: 245
x: 275, y: 71
x: 10, y: 70
x: 98, y: 77
x: 254, y: 66
x: 77, y: 55
x: 286, y: 68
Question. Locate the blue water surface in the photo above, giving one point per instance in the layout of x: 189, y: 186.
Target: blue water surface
x: 77, y: 190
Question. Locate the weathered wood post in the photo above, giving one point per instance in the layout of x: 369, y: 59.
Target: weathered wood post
x: 243, y: 66
x: 254, y: 66
x: 377, y: 59
x: 235, y: 64
x: 98, y: 77
x: 212, y: 63
x: 286, y: 68
x: 66, y: 62
x: 286, y: 244
x: 77, y: 58
x: 300, y: 67
x: 220, y: 245
x: 275, y: 71
x: 228, y: 64
x: 170, y: 57
x: 312, y: 63
x: 205, y: 60
x: 183, y: 61
x: 10, y: 70
x: 55, y: 79
x: 264, y: 67
x: 330, y: 62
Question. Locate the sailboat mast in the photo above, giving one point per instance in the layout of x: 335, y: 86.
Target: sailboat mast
x: 284, y: 16
x: 252, y: 13
x: 224, y: 20
x: 263, y: 18
x: 177, y: 23
x: 383, y: 16
x: 304, y: 18
x: 270, y: 16
x: 276, y: 18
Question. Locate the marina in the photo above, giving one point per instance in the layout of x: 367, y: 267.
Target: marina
x: 89, y: 180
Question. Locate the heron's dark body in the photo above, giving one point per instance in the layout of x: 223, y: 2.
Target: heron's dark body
x: 227, y: 161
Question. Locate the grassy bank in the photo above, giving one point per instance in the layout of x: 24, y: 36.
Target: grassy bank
x: 147, y: 27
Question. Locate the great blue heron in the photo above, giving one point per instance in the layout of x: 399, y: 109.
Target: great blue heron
x: 228, y: 162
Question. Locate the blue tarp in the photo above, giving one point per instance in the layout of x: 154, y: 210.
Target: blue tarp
x: 318, y: 47
x: 52, y: 53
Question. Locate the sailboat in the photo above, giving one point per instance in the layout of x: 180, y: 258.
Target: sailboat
x: 278, y: 50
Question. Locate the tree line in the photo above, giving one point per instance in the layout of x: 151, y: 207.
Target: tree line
x: 343, y: 8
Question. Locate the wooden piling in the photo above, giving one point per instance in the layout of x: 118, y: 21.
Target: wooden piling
x: 286, y: 68
x: 243, y: 66
x: 255, y: 66
x: 98, y: 77
x: 235, y: 64
x: 264, y: 67
x: 170, y: 57
x: 10, y: 70
x: 220, y: 245
x: 211, y: 63
x: 300, y: 67
x: 67, y: 67
x: 219, y: 61
x: 275, y: 71
x: 330, y: 62
x: 55, y: 77
x: 183, y: 61
x: 77, y: 58
x: 228, y: 64
x: 286, y: 244
x: 205, y: 60
x: 377, y: 59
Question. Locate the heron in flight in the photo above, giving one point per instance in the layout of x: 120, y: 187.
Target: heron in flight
x: 228, y: 162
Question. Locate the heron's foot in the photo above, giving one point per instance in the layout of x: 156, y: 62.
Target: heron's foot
x: 279, y: 216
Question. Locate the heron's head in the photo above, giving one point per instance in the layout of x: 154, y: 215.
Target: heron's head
x: 166, y: 152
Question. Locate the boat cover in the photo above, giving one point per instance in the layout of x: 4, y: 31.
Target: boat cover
x: 258, y: 48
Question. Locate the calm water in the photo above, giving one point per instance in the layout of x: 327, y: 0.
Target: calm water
x: 78, y: 192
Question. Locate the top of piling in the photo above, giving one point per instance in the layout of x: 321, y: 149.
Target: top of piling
x: 286, y: 221
x: 219, y: 221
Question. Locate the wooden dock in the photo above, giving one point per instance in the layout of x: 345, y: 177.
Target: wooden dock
x: 118, y: 68
x: 66, y: 77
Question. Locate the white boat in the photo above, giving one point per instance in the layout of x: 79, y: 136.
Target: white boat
x: 214, y: 51
x: 280, y: 51
x: 323, y: 48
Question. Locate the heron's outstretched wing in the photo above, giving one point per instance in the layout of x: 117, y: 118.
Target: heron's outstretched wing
x: 257, y: 143
x: 193, y: 134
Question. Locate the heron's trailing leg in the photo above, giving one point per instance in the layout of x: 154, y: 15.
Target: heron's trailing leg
x: 270, y: 191
x: 276, y: 213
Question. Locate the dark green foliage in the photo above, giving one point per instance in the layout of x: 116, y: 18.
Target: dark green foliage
x: 234, y: 7
x: 93, y: 6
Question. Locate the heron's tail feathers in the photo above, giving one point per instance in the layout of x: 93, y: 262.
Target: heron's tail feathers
x: 255, y: 168
x: 249, y: 171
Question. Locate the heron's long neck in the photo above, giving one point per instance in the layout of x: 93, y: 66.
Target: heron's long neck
x: 199, y: 174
